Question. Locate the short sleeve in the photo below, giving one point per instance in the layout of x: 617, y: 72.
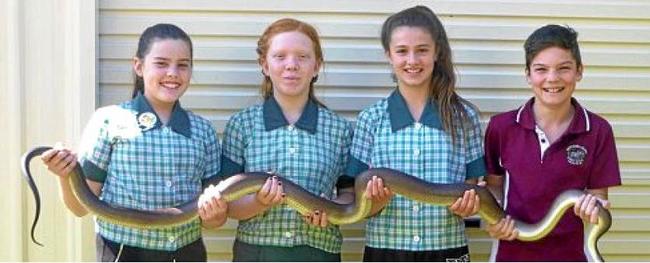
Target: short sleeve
x: 361, y: 147
x: 475, y: 166
x: 96, y: 145
x: 232, y: 160
x: 605, y: 171
x: 213, y: 153
x: 493, y: 149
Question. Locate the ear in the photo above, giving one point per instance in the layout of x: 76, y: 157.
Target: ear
x: 580, y: 70
x: 387, y: 55
x: 317, y: 68
x: 527, y: 74
x: 137, y: 66
x: 265, y: 68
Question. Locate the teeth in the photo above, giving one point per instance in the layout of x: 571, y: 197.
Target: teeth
x: 413, y: 70
x: 553, y: 90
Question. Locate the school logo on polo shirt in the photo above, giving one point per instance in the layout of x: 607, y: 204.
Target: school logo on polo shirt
x: 575, y: 154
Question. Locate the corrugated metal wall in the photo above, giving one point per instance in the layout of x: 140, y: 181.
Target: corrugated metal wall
x: 486, y: 37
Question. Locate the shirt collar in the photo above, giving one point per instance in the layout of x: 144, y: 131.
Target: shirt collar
x: 179, y: 121
x: 274, y: 118
x: 579, y: 124
x: 400, y: 116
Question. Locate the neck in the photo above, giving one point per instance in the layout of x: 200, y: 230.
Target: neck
x: 292, y: 106
x: 545, y: 116
x: 416, y: 99
x: 163, y: 110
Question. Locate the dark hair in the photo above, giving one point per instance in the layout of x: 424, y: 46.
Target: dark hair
x: 443, y: 82
x: 281, y: 26
x: 552, y: 36
x: 147, y: 38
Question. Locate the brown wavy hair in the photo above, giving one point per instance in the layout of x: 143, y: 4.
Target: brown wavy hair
x: 264, y: 42
x: 443, y: 82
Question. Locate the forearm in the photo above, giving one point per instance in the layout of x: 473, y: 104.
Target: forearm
x: 70, y: 200
x: 246, y: 207
x: 495, y: 186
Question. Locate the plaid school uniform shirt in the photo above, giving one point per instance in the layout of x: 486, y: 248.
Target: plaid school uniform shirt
x: 145, y: 165
x: 311, y: 153
x: 386, y: 136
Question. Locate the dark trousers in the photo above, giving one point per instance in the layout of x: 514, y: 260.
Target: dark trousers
x: 460, y: 254
x: 244, y: 252
x: 110, y: 251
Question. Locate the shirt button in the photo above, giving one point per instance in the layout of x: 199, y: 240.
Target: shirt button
x: 171, y: 239
x: 416, y: 208
x: 290, y: 128
x: 416, y: 152
x: 169, y: 183
x: 416, y: 238
x: 288, y: 234
x: 293, y: 150
x: 418, y: 125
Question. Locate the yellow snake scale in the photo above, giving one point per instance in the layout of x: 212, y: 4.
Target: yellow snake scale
x: 304, y: 202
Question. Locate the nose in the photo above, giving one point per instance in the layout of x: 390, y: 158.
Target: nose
x: 553, y: 75
x: 292, y: 63
x: 172, y: 71
x: 411, y: 58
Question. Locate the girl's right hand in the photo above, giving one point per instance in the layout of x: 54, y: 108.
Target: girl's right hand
x: 59, y: 160
x: 504, y: 230
x: 271, y: 192
x: 377, y: 192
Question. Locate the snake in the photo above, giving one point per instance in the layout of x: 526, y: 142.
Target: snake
x: 305, y: 202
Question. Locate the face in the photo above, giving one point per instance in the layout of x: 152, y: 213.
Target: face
x: 412, y: 54
x: 553, y: 76
x: 166, y: 71
x: 291, y: 64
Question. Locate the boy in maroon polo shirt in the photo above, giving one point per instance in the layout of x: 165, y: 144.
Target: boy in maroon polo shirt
x: 549, y: 145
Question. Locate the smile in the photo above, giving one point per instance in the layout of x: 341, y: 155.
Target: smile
x: 553, y: 90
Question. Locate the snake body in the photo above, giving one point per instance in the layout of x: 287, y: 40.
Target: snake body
x: 236, y: 186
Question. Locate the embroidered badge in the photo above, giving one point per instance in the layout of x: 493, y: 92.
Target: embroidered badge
x: 147, y: 120
x: 576, y: 154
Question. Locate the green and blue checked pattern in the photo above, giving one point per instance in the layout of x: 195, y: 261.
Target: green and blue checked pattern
x: 145, y: 165
x: 311, y: 153
x: 387, y: 136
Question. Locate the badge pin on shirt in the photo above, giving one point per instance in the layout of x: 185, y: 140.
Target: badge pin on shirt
x: 147, y: 120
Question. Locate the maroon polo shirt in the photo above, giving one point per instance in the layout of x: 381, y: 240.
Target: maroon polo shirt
x: 537, y: 172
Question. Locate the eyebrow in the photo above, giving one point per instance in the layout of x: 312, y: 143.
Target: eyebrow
x: 164, y: 58
x: 561, y: 64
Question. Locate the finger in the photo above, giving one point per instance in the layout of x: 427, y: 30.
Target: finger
x: 586, y: 205
x: 605, y: 203
x: 576, y: 206
x: 323, y: 220
x: 47, y: 155
x: 594, y: 215
x: 514, y: 235
x: 374, y: 187
x: 368, y: 193
x: 456, y: 204
x: 316, y: 218
x: 379, y: 187
x: 477, y: 204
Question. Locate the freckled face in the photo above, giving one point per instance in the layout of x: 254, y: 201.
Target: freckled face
x: 291, y: 64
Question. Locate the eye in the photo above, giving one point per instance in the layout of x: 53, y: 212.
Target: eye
x: 160, y: 63
x: 540, y: 70
x: 183, y: 65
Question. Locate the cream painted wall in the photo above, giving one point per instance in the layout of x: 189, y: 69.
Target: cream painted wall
x: 48, y: 90
x: 60, y: 59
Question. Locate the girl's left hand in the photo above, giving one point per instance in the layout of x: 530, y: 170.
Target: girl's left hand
x: 317, y: 218
x: 212, y: 208
x: 467, y: 205
x: 587, y: 209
